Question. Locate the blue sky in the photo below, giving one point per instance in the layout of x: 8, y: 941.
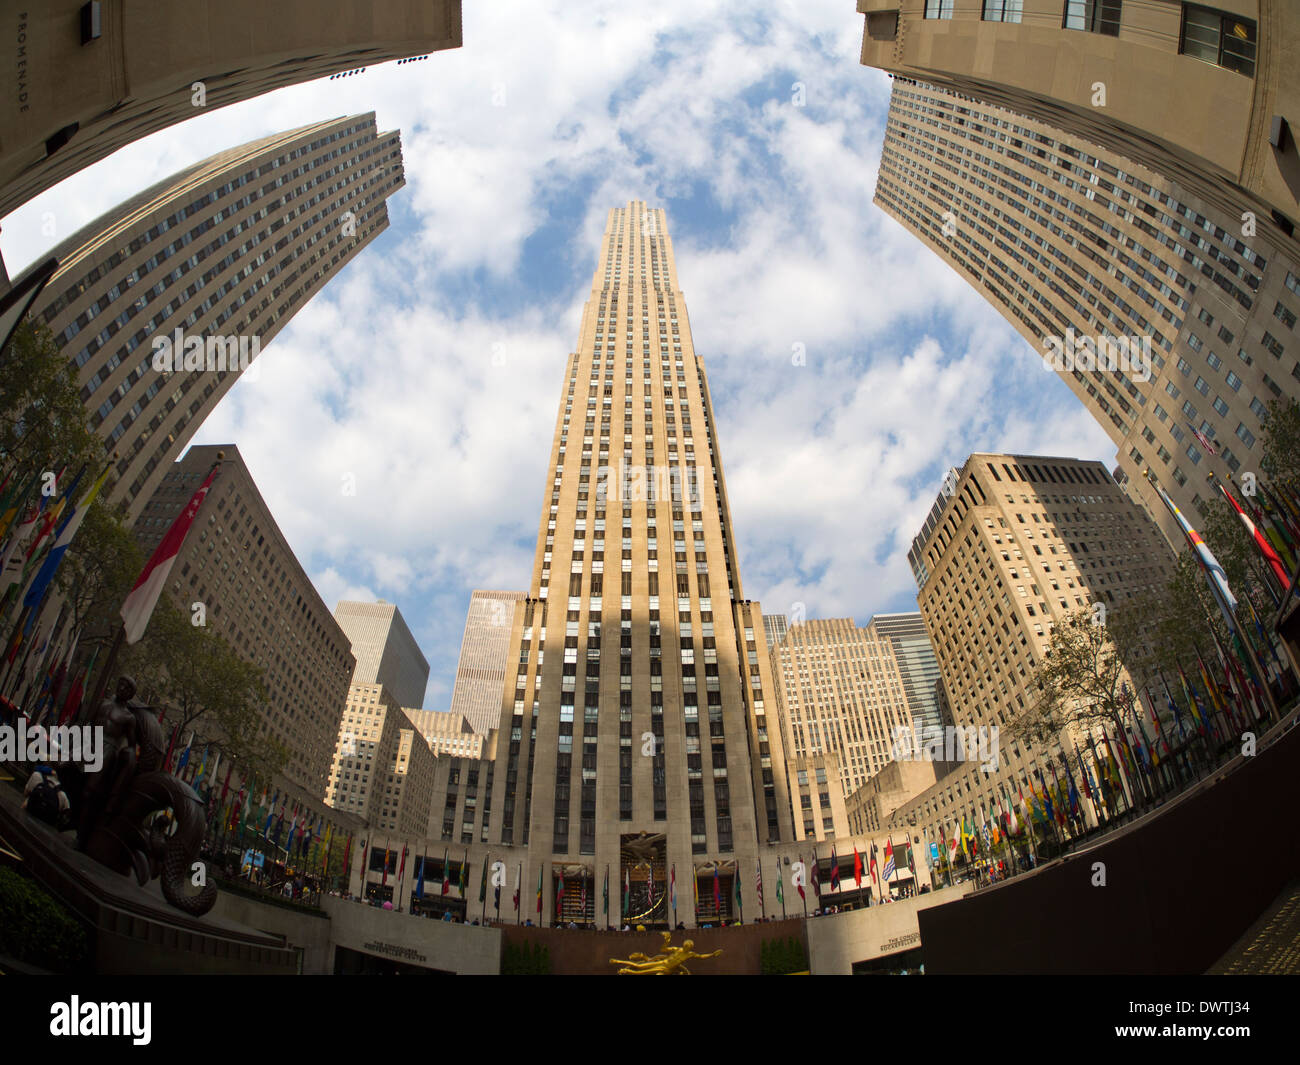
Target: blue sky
x: 759, y: 132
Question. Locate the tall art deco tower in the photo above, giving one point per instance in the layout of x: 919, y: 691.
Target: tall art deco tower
x: 638, y: 730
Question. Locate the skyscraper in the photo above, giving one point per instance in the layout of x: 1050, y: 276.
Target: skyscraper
x: 918, y: 669
x: 637, y: 733
x: 238, y: 566
x: 386, y: 652
x: 839, y: 691
x: 1200, y: 93
x: 775, y: 626
x: 1018, y: 544
x: 223, y: 253
x: 481, y: 669
x: 88, y: 78
x: 1171, y: 328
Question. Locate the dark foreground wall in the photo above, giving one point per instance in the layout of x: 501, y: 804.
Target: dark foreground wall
x: 1182, y: 886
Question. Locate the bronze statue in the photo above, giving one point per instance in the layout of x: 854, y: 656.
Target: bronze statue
x: 670, y: 961
x: 119, y: 822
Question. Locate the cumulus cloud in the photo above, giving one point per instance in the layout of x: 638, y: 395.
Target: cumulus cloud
x: 429, y: 373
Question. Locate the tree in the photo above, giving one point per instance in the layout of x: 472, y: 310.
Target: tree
x: 1281, y: 450
x: 206, y: 687
x: 1079, y: 684
x: 43, y: 423
x: 95, y: 576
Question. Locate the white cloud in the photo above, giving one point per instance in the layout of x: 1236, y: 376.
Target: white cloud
x: 431, y: 369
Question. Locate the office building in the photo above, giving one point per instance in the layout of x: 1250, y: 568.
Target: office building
x: 386, y: 652
x: 163, y: 302
x: 1019, y: 544
x: 775, y: 626
x: 1203, y: 94
x: 637, y: 732
x: 481, y: 669
x: 1173, y: 329
x: 839, y: 691
x: 85, y: 79
x: 236, y: 564
x: 365, y: 754
x: 918, y: 669
x: 446, y: 733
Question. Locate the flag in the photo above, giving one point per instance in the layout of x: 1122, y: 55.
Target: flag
x: 184, y: 759
x: 1214, y: 574
x: 758, y: 876
x: 482, y: 887
x: 387, y: 851
x: 446, y: 874
x: 539, y: 893
x: 71, y: 523
x: 857, y: 866
x: 1261, y: 541
x: 401, y: 869
x: 419, y: 879
x: 464, y: 875
x: 559, y: 896
x: 799, y: 886
x: 717, y: 897
x: 605, y: 892
x: 138, y: 608
x: 835, y: 870
x: 735, y: 881
x: 627, y: 892
x: 672, y: 887
x: 780, y: 894
x: 582, y: 897
x: 889, y: 858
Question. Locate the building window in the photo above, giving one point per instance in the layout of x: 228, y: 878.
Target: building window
x: 1003, y: 10
x: 939, y: 8
x: 1095, y: 16
x: 1216, y: 37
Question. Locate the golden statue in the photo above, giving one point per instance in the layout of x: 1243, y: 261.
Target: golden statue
x: 670, y: 961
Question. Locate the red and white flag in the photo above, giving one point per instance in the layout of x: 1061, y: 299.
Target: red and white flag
x: 138, y: 608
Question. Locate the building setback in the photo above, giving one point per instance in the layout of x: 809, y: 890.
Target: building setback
x: 1202, y: 94
x: 385, y: 650
x: 484, y: 652
x: 1078, y: 247
x: 446, y: 733
x: 365, y: 752
x: 226, y: 251
x: 237, y: 563
x: 85, y: 79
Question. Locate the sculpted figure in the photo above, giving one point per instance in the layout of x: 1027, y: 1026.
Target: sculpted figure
x: 135, y: 818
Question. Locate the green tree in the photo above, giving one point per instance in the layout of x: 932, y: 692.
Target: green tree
x: 95, y: 576
x: 1079, y: 683
x: 1281, y: 446
x: 205, y: 686
x: 43, y: 424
